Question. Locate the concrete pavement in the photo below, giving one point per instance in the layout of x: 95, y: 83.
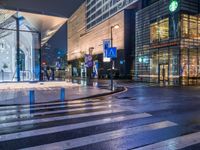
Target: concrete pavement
x: 18, y: 93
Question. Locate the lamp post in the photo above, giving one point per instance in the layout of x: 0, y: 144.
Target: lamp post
x: 112, y: 60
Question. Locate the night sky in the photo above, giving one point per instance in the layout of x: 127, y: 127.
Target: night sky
x: 57, y: 7
x: 63, y: 8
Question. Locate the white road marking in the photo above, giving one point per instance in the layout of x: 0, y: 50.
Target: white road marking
x: 78, y: 142
x: 174, y: 143
x: 47, y: 104
x: 27, y: 115
x: 27, y: 110
x: 43, y: 120
x: 14, y: 136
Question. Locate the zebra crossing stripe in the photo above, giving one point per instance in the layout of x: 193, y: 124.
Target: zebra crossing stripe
x: 44, y: 120
x: 25, y: 110
x: 47, y: 104
x: 17, y: 116
x: 25, y: 134
x: 78, y: 142
x: 174, y: 143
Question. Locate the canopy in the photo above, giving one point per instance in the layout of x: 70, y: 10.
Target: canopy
x: 45, y: 24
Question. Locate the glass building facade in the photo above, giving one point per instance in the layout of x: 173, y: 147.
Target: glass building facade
x: 98, y: 11
x: 22, y: 35
x: 19, y: 48
x: 168, y: 42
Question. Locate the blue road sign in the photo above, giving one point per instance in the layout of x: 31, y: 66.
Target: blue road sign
x: 106, y: 45
x: 111, y: 52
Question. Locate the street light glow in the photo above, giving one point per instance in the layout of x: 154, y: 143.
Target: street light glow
x: 116, y: 26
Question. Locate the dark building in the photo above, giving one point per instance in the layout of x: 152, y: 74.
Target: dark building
x: 168, y: 42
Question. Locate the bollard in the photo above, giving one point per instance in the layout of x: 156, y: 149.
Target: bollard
x: 32, y: 97
x: 62, y: 94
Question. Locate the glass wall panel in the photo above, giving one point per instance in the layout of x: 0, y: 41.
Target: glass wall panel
x: 193, y: 62
x: 193, y: 66
x: 185, y: 26
x: 29, y: 56
x: 193, y: 27
x: 29, y: 46
x: 7, y: 55
x: 154, y: 32
x: 163, y: 56
x: 154, y: 65
x: 164, y: 29
x: 198, y: 66
x: 190, y: 26
x: 184, y: 66
x: 7, y: 19
x: 159, y: 30
x: 163, y: 65
x: 174, y: 65
x: 199, y: 28
x: 143, y: 63
x: 36, y: 48
x: 146, y: 67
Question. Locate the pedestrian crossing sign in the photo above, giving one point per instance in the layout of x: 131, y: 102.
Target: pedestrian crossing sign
x: 111, y: 52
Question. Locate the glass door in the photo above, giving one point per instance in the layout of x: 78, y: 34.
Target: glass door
x: 163, y: 72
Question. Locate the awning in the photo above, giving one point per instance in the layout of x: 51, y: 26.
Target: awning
x: 45, y: 24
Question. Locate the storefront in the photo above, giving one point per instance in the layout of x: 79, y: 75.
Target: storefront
x: 168, y: 43
x: 22, y: 36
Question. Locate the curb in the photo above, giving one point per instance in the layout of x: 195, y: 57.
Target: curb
x: 118, y: 90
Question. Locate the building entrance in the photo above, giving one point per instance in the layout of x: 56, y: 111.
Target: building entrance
x: 163, y: 73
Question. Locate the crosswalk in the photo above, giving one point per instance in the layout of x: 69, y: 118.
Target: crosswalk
x: 175, y: 143
x: 86, y: 124
x: 138, y: 85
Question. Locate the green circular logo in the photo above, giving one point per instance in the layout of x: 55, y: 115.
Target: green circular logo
x: 173, y: 5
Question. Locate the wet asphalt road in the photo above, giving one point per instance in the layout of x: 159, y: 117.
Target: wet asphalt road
x: 144, y: 117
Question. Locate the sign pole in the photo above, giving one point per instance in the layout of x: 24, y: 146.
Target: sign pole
x: 111, y: 52
x: 112, y: 62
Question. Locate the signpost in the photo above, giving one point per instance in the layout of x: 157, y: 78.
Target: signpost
x: 111, y: 53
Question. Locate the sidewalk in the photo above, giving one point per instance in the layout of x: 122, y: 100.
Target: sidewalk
x: 100, y: 82
x: 18, y: 93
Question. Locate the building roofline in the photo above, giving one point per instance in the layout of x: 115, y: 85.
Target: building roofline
x: 35, y: 12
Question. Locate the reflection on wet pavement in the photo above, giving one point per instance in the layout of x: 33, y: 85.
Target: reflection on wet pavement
x: 142, y: 118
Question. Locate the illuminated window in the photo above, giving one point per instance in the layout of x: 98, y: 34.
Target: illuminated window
x: 190, y: 26
x: 159, y: 30
x: 154, y: 32
x: 164, y: 29
x: 199, y: 27
x: 193, y: 27
x: 185, y: 25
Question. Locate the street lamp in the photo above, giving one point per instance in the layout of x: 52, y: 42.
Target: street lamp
x: 112, y: 60
x: 116, y: 26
